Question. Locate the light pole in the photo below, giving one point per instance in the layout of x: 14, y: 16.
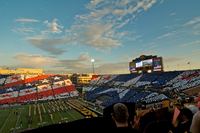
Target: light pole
x: 92, y: 60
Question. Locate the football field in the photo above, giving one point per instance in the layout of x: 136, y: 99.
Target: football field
x: 16, y: 119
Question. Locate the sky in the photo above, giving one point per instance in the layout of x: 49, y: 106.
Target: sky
x: 62, y: 36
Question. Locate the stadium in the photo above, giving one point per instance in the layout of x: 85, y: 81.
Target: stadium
x: 99, y: 66
x: 33, y: 101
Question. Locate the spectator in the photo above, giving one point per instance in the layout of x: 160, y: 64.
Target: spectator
x: 120, y: 115
x: 193, y: 108
x: 184, y: 121
x: 158, y: 127
x: 195, y: 126
x: 146, y: 119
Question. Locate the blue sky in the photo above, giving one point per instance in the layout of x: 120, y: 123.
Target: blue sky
x: 64, y: 35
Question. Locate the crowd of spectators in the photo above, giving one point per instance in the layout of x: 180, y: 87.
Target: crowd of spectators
x: 180, y: 119
x: 147, y: 88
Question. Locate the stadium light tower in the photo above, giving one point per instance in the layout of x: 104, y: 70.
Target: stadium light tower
x: 92, y: 61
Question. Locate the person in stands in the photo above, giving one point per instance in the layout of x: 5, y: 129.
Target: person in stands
x: 195, y: 126
x: 158, y: 127
x: 184, y: 121
x: 120, y: 117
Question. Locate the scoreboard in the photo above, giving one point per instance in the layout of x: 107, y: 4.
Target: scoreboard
x: 146, y: 64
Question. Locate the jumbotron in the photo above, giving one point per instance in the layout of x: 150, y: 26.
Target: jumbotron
x: 146, y: 63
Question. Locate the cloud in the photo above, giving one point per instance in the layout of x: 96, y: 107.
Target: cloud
x: 84, y: 57
x: 165, y: 35
x: 53, y: 27
x: 34, y: 61
x: 195, y: 24
x: 81, y: 64
x: 94, y: 3
x: 196, y: 42
x: 123, y: 3
x: 172, y: 59
x: 75, y: 65
x: 44, y: 38
x: 196, y: 29
x: 172, y: 14
x: 24, y: 30
x: 100, y: 27
x: 193, y: 21
x: 192, y: 26
x: 162, y: 1
x: 39, y: 40
x: 26, y: 20
x: 98, y: 35
x: 113, y: 68
x: 49, y: 63
x: 49, y: 45
x: 196, y: 52
x: 148, y: 4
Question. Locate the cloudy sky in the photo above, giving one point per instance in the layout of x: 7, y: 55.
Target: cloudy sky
x: 64, y: 35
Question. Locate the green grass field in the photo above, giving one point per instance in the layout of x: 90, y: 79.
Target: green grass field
x: 36, y: 115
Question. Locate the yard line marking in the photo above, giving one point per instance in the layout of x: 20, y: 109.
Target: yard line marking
x: 5, y: 121
x: 18, y: 117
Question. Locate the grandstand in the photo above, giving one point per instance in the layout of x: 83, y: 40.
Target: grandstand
x: 28, y: 71
x: 144, y: 88
x: 27, y: 88
x: 50, y: 99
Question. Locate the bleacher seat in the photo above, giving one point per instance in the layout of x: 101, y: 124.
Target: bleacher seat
x: 148, y: 87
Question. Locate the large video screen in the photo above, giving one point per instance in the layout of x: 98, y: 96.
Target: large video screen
x: 146, y: 63
x: 152, y: 64
x: 139, y: 64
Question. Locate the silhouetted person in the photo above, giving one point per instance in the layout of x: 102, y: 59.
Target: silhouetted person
x: 195, y: 126
x: 120, y: 116
x: 158, y: 127
x: 184, y: 121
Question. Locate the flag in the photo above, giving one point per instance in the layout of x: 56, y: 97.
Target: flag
x: 14, y: 78
x: 68, y: 82
x: 27, y: 91
x: 29, y: 84
x: 2, y: 80
x: 58, y: 84
x: 43, y: 87
x: 176, y: 114
x: 35, y: 78
x: 57, y: 78
x: 45, y: 81
x: 8, y: 95
x: 9, y: 89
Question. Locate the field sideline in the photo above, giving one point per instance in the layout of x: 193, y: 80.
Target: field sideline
x: 16, y: 119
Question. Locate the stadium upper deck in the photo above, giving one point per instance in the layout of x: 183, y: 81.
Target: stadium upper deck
x: 146, y: 88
